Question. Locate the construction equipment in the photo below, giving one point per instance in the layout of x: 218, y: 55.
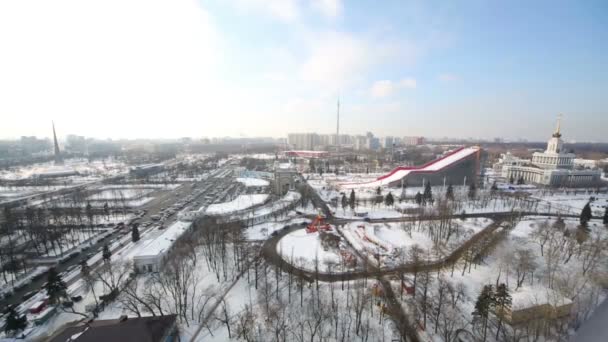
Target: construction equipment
x: 317, y: 225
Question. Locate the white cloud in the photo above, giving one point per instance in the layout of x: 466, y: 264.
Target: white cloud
x: 329, y: 8
x: 285, y: 10
x: 382, y: 88
x: 102, y: 68
x: 408, y: 83
x: 448, y: 77
x: 385, y: 88
x: 335, y: 59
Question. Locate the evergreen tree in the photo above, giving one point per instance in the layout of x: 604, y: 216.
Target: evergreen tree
x: 586, y: 215
x: 484, y: 303
x: 379, y: 191
x: 449, y: 193
x: 352, y: 199
x: 389, y: 200
x: 418, y: 198
x: 511, y: 180
x: 14, y: 322
x: 502, y: 303
x: 606, y: 216
x: 55, y: 286
x: 85, y: 269
x: 344, y: 202
x: 521, y: 181
x: 428, y: 193
x: 494, y: 187
x: 311, y: 165
x: 106, y: 254
x: 135, y: 233
x: 472, y: 191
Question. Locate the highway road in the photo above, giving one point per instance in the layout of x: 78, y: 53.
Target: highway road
x: 162, y: 199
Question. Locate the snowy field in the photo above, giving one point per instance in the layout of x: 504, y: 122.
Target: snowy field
x: 263, y: 230
x: 119, y: 194
x: 575, y: 203
x: 304, y: 250
x: 253, y: 181
x: 540, y: 262
x: 388, y: 244
x: 242, y: 202
x: 97, y: 168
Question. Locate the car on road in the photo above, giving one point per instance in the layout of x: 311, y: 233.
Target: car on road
x: 29, y: 295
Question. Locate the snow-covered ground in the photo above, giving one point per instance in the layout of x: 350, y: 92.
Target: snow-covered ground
x: 550, y: 264
x: 253, y: 181
x: 96, y: 168
x: 305, y: 251
x: 263, y: 230
x: 242, y: 202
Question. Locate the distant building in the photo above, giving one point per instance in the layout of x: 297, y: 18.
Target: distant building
x: 360, y: 142
x: 543, y: 305
x: 284, y: 178
x: 123, y: 329
x: 303, y: 141
x: 76, y: 143
x: 388, y: 142
x: 373, y: 143
x: 553, y: 167
x: 307, y: 154
x: 412, y: 141
x: 146, y: 169
x: 31, y: 145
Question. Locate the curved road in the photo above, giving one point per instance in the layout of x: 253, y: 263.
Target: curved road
x: 406, y: 327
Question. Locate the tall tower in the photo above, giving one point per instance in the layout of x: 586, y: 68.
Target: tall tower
x: 338, y: 130
x: 554, y: 145
x: 58, y: 157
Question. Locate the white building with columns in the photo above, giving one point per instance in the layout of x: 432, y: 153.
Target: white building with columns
x: 553, y: 167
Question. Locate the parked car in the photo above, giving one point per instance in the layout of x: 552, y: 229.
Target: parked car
x: 29, y: 295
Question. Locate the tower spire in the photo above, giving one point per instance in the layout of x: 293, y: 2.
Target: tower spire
x: 557, y: 133
x: 58, y: 157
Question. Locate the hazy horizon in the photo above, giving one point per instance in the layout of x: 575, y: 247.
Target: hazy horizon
x: 265, y: 68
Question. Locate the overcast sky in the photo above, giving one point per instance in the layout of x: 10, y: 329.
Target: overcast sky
x: 174, y: 68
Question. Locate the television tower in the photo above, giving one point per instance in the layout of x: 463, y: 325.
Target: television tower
x: 58, y: 157
x: 338, y: 130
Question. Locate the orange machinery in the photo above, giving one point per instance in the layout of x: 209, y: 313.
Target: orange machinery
x: 317, y: 225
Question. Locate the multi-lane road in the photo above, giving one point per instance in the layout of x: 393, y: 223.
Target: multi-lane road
x: 196, y: 194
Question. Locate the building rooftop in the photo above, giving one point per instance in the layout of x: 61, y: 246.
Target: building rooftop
x: 162, y: 242
x: 142, y: 329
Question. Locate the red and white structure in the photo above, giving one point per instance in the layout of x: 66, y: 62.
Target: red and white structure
x: 436, y: 169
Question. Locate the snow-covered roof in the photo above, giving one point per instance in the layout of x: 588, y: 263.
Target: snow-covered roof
x: 164, y: 241
x: 526, y: 297
x: 433, y: 166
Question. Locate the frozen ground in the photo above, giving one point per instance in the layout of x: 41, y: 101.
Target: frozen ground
x: 253, y: 181
x: 242, y: 202
x: 98, y: 168
x: 263, y: 230
x: 557, y: 276
x: 305, y: 251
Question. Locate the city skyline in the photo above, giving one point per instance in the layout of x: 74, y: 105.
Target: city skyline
x: 403, y: 68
